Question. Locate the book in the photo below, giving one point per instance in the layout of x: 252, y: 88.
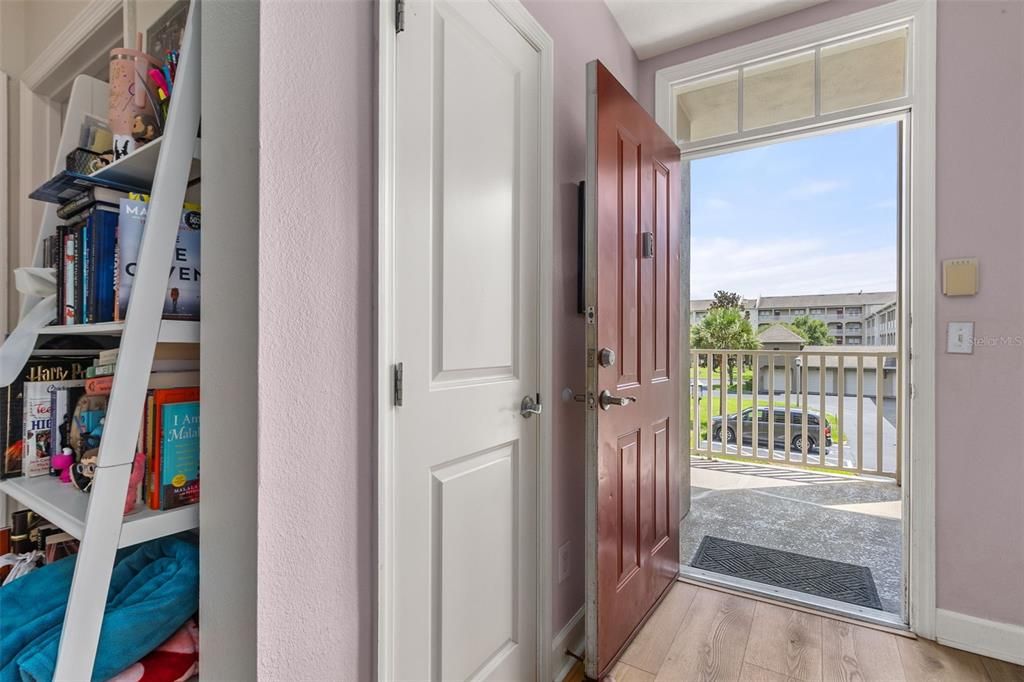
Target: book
x: 179, y: 454
x: 162, y: 397
x: 67, y: 185
x: 87, y: 199
x: 36, y: 448
x: 107, y: 357
x: 183, y: 287
x: 66, y: 277
x: 102, y: 385
x: 53, y: 367
x: 63, y: 400
x: 100, y: 371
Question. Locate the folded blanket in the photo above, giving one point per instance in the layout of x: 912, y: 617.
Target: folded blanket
x: 154, y: 589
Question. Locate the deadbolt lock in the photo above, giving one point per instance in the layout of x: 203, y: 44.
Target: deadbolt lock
x: 606, y: 357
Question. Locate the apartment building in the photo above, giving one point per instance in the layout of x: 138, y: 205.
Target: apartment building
x: 853, y: 319
x: 699, y: 309
x: 880, y: 326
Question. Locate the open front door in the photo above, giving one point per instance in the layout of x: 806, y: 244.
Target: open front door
x: 634, y: 420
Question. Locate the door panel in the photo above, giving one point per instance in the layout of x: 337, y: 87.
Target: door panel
x: 633, y: 279
x: 467, y: 221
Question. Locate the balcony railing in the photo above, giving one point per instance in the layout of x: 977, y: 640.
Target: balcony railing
x: 857, y: 393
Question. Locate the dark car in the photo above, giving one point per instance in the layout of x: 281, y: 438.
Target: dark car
x: 796, y: 434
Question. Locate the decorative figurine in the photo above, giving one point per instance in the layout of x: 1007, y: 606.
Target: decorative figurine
x: 82, y: 473
x: 62, y: 464
x: 144, y: 128
x: 138, y: 471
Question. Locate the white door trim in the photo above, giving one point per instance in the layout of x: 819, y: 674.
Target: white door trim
x: 385, y: 283
x: 919, y: 254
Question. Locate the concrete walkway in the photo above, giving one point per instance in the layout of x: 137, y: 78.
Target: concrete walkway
x: 840, y: 518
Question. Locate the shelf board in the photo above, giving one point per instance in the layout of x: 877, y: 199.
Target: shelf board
x: 139, y: 167
x: 65, y: 507
x: 171, y: 331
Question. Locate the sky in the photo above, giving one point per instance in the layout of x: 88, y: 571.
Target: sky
x: 809, y: 216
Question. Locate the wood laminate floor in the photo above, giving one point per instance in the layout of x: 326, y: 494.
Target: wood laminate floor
x: 700, y: 634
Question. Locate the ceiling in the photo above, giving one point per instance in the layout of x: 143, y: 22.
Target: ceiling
x: 654, y: 27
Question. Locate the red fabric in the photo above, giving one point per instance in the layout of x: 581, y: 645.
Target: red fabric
x: 176, y: 660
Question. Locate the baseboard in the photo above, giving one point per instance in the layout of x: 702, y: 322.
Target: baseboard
x: 986, y: 637
x: 570, y: 637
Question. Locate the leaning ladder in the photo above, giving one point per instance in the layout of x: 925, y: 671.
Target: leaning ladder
x: 105, y: 513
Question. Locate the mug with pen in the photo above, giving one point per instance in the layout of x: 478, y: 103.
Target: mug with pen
x: 135, y: 112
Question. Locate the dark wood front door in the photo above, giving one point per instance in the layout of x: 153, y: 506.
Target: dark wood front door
x: 634, y: 419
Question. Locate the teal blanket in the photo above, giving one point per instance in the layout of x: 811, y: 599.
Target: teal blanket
x: 154, y: 588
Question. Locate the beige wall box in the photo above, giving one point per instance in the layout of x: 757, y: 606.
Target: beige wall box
x: 960, y: 277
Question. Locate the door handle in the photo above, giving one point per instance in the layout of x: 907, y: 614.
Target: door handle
x: 528, y: 407
x: 606, y: 400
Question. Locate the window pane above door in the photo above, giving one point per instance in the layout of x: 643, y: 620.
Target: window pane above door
x: 779, y: 91
x: 708, y: 107
x: 864, y: 71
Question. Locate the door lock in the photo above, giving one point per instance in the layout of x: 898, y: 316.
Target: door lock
x: 606, y: 357
x: 606, y: 400
x: 529, y: 407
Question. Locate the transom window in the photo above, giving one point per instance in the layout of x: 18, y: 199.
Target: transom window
x: 858, y: 74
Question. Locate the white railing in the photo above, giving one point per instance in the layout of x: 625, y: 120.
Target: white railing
x: 857, y: 392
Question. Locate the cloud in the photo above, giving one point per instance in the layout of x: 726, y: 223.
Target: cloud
x: 776, y: 267
x: 812, y: 188
x: 717, y: 204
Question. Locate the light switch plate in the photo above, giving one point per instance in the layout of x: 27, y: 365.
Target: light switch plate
x: 959, y: 338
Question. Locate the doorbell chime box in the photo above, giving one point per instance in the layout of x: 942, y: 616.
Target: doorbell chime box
x: 960, y: 277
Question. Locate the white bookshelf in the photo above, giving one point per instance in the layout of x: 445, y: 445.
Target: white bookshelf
x: 138, y: 168
x: 97, y: 519
x: 171, y: 331
x: 66, y: 507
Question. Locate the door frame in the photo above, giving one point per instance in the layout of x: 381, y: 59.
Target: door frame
x: 917, y: 270
x: 387, y: 94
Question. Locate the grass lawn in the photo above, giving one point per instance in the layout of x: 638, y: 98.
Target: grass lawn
x: 730, y: 406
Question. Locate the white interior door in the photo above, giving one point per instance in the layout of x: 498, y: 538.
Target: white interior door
x: 466, y: 327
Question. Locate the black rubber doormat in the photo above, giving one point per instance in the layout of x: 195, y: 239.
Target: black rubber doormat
x: 831, y: 579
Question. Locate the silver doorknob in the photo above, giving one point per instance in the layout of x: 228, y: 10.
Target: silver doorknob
x: 529, y: 407
x: 606, y: 400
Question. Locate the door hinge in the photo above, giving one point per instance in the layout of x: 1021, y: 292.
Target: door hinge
x: 397, y: 384
x: 399, y: 16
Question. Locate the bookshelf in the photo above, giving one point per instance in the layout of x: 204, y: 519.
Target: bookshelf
x: 171, y: 331
x: 167, y: 166
x: 66, y: 507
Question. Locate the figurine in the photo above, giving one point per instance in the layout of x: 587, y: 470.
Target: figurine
x: 83, y: 472
x: 144, y: 128
x: 62, y: 464
x: 138, y: 471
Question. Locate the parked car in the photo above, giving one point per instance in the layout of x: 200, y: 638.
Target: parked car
x: 796, y: 433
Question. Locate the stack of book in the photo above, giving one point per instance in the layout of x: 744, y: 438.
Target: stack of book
x: 60, y: 403
x: 95, y: 256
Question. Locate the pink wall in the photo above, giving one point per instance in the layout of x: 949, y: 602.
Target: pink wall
x: 316, y: 458
x: 980, y: 209
x: 581, y: 31
x: 316, y: 514
x: 980, y: 402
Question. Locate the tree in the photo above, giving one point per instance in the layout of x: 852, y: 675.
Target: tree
x: 726, y: 299
x: 815, y: 332
x: 725, y: 329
